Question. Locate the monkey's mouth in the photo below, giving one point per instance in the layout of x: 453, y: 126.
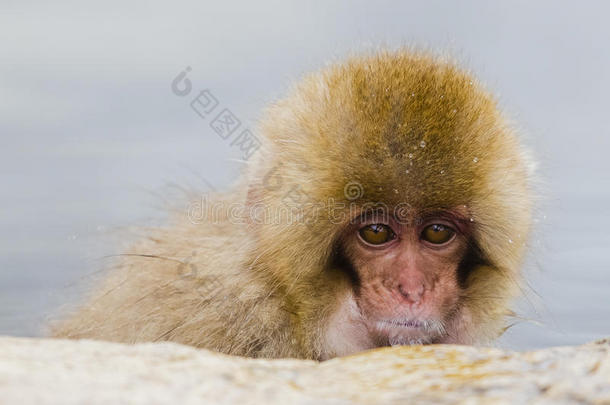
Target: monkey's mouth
x: 406, y: 331
x: 401, y: 323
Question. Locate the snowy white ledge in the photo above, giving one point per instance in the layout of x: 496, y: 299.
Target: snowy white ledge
x: 60, y: 371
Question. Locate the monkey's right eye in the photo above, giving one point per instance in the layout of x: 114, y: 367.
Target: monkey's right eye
x: 437, y: 234
x: 377, y: 234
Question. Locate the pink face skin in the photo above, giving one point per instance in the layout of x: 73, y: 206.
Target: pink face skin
x: 408, y: 289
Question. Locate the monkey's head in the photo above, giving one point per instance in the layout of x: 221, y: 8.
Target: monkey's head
x: 397, y: 206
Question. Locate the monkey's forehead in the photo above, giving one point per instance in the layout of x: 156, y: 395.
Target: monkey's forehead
x: 403, y: 127
x: 395, y: 128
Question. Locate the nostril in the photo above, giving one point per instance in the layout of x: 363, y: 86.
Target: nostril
x: 411, y: 294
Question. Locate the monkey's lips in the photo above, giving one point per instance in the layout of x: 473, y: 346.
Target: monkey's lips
x: 409, y: 331
x: 401, y: 323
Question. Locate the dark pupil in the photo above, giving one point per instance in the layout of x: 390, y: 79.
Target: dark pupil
x: 376, y: 234
x: 437, y: 233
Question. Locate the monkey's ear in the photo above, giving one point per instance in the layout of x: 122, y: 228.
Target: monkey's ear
x: 253, y: 195
x: 259, y: 191
x: 253, y: 205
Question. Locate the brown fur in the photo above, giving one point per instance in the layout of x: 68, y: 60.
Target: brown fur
x: 269, y: 290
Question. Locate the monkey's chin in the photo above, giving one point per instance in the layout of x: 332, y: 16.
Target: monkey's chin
x: 397, y: 332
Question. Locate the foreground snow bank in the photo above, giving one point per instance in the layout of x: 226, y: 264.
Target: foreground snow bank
x: 67, y: 372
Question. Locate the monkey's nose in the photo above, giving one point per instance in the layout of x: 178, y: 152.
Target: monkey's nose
x: 413, y: 294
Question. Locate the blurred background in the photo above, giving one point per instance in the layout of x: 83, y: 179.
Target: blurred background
x: 91, y: 133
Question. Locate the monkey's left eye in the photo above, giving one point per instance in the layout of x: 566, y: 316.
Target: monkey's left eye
x: 437, y: 234
x: 377, y: 234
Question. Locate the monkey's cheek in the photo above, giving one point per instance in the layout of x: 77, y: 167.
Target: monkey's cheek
x: 460, y: 329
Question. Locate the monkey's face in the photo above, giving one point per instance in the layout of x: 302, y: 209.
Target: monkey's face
x: 417, y: 137
x: 407, y: 274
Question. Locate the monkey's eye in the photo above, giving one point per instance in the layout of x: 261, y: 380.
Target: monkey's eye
x: 377, y: 234
x: 437, y: 234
